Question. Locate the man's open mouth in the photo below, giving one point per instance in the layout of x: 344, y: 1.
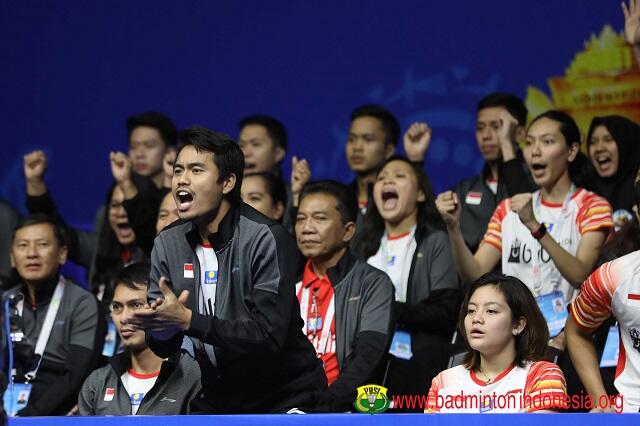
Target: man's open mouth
x: 184, y: 198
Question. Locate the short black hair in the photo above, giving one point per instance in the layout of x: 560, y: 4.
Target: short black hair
x: 39, y: 219
x: 227, y: 155
x: 155, y: 120
x: 275, y: 186
x: 275, y: 129
x: 133, y: 276
x: 510, y: 102
x: 346, y: 200
x: 389, y: 122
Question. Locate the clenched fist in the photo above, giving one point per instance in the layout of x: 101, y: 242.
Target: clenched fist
x: 522, y: 205
x: 416, y: 141
x: 300, y: 176
x: 448, y: 206
x: 35, y: 165
x: 120, y: 167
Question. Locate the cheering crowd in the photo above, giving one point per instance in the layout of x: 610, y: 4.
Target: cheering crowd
x: 218, y: 285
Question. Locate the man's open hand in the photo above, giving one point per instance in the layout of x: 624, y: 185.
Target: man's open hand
x: 165, y: 316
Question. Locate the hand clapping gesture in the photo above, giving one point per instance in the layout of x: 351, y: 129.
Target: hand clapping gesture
x: 164, y: 317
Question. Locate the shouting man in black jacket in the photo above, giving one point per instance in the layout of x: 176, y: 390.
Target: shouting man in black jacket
x: 234, y: 272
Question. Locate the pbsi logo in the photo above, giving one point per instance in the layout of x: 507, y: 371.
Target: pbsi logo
x: 372, y: 399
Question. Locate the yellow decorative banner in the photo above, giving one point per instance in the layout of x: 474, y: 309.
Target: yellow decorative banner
x: 603, y: 79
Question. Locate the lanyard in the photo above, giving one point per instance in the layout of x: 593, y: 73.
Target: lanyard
x: 47, y: 326
x: 321, y: 346
x: 555, y: 233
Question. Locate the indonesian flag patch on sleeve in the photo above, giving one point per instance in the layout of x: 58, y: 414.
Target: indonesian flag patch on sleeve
x: 109, y: 393
x: 188, y: 270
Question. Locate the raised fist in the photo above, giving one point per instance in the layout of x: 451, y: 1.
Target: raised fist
x: 120, y: 167
x: 448, y: 206
x: 416, y: 141
x: 522, y: 204
x: 35, y: 165
x: 300, y: 176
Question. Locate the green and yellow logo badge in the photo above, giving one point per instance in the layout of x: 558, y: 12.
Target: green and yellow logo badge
x: 372, y: 399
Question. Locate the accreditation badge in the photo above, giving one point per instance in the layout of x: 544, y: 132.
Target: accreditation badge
x: 16, y: 397
x: 554, y: 310
x: 401, y: 345
x: 611, y: 348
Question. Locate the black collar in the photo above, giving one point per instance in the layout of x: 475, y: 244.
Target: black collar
x: 122, y: 362
x: 226, y: 229
x: 44, y: 293
x: 342, y: 268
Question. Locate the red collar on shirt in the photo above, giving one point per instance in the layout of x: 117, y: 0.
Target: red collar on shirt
x: 558, y: 205
x: 480, y: 382
x: 143, y: 375
x: 309, y: 277
x: 397, y: 237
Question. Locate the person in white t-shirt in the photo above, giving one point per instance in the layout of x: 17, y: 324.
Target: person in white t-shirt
x: 404, y: 237
x: 550, y: 239
x: 502, y: 372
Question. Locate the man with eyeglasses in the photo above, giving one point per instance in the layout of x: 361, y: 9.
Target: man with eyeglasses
x: 137, y: 381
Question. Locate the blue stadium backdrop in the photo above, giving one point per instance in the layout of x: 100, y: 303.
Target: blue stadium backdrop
x: 72, y: 71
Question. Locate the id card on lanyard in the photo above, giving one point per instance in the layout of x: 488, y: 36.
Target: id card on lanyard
x: 317, y: 323
x: 401, y: 345
x: 16, y: 397
x: 554, y: 310
x: 551, y: 303
x: 611, y: 350
x: 555, y: 232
